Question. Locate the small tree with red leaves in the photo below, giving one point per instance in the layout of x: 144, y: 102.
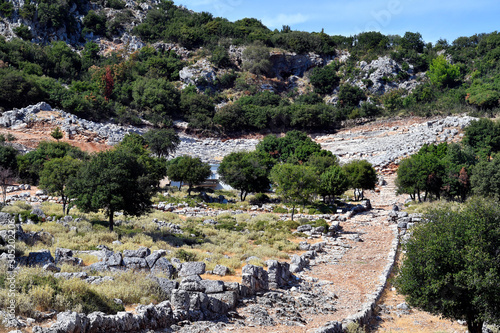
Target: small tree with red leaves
x: 109, y: 83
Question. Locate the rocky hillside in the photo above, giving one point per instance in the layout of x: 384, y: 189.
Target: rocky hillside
x: 152, y: 62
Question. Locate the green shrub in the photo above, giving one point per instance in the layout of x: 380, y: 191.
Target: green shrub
x: 115, y: 4
x: 280, y: 210
x: 23, y: 32
x: 184, y: 255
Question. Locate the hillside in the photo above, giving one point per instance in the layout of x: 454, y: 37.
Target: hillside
x: 155, y: 62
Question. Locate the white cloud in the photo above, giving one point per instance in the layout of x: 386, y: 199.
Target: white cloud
x: 284, y: 19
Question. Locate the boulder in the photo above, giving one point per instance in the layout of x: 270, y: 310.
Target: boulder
x: 228, y: 298
x: 255, y: 278
x: 39, y: 258
x: 220, y: 270
x: 142, y: 252
x: 212, y: 287
x: 154, y: 256
x: 135, y: 263
x: 304, y: 228
x: 166, y: 285
x: 163, y: 266
x: 192, y: 268
x: 65, y: 256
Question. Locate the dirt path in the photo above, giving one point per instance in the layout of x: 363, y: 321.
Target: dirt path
x: 351, y: 267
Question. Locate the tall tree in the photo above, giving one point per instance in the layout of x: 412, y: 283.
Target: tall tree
x: 113, y: 181
x: 188, y: 170
x: 486, y: 178
x: 57, y: 174
x: 245, y: 171
x: 31, y: 163
x: 362, y: 176
x: 296, y: 184
x: 162, y: 142
x: 451, y: 264
x: 333, y: 182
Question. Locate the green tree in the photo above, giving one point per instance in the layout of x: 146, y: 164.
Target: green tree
x: 256, y: 59
x: 412, y: 41
x: 31, y: 163
x: 56, y: 133
x: 442, y: 73
x: 423, y: 171
x: 451, y: 264
x: 157, y: 98
x: 188, y: 170
x: 8, y: 167
x: 8, y: 157
x: 458, y: 163
x: 350, y: 96
x: 322, y: 160
x: 162, y: 142
x: 325, y: 79
x: 246, y: 171
x: 295, y: 184
x: 361, y: 176
x: 23, y: 32
x: 137, y: 145
x: 333, y: 182
x: 114, y: 181
x: 295, y: 146
x: 57, y: 174
x: 483, y: 135
x: 485, y: 179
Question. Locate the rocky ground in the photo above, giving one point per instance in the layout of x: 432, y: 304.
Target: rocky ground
x: 340, y: 280
x: 381, y: 142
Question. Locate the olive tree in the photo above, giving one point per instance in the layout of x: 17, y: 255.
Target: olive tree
x: 295, y: 184
x: 451, y: 264
x: 361, y: 176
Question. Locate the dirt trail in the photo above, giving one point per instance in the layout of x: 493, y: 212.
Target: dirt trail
x: 353, y: 263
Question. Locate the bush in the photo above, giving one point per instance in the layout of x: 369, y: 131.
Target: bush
x: 325, y: 79
x: 23, y: 32
x: 6, y: 8
x: 115, y: 4
x: 256, y: 59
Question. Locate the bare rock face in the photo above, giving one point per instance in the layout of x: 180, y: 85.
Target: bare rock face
x: 255, y: 278
x: 201, y: 74
x: 286, y: 64
x: 192, y: 268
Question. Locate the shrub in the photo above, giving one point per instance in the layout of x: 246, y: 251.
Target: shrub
x: 23, y: 32
x: 325, y: 79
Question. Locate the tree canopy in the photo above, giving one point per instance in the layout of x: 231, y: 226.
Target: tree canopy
x: 296, y: 184
x: 451, y: 264
x: 188, y: 170
x: 162, y: 142
x: 57, y: 174
x: 113, y: 181
x: 361, y: 176
x: 246, y: 171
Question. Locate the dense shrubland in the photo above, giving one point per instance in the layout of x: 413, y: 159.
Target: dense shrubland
x: 457, y: 170
x: 144, y: 84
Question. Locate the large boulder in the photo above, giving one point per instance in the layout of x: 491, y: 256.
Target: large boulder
x: 39, y: 258
x: 220, y: 270
x: 192, y: 268
x: 65, y: 256
x: 163, y: 266
x: 255, y: 278
x: 142, y: 252
x: 154, y: 256
x: 135, y: 263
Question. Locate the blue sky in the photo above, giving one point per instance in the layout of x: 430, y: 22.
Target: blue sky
x: 447, y: 19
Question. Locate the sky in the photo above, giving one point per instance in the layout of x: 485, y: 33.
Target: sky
x: 441, y: 19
